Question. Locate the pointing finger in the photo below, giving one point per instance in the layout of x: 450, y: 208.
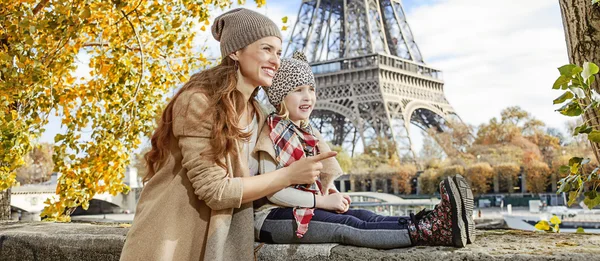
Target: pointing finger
x: 324, y: 156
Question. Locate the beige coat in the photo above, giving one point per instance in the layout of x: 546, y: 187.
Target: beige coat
x: 191, y: 209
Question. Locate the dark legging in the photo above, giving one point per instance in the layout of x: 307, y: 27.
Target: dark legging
x: 356, y: 227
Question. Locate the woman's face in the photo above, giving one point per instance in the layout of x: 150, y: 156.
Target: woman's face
x: 260, y: 60
x: 300, y: 103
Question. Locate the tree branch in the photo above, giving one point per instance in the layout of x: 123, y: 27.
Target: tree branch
x: 97, y: 44
x: 39, y: 6
x: 139, y: 83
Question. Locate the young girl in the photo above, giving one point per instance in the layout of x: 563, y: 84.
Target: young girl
x: 317, y: 213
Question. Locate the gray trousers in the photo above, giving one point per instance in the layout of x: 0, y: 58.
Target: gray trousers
x: 356, y: 227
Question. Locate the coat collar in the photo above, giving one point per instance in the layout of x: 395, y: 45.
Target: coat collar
x: 264, y: 143
x: 239, y: 164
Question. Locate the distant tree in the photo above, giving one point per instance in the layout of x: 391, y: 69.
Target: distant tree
x: 427, y: 181
x: 554, y: 132
x: 343, y: 158
x: 537, y: 174
x: 139, y: 162
x: 507, y: 175
x: 404, y: 177
x: 479, y: 176
x: 431, y: 149
x: 381, y: 148
x: 454, y: 140
x: 38, y: 165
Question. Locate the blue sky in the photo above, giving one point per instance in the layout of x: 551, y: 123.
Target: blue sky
x: 494, y: 54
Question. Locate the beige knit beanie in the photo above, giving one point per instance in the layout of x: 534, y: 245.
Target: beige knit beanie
x: 240, y: 27
x: 292, y: 72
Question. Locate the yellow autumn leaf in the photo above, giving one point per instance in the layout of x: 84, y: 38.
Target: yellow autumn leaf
x: 284, y: 28
x: 543, y: 225
x: 124, y: 225
x: 260, y: 3
x: 284, y: 19
x: 203, y: 28
x: 99, y: 101
x: 555, y: 220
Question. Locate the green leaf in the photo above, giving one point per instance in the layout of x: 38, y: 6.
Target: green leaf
x: 563, y: 98
x: 561, y: 81
x: 580, y: 229
x: 572, y: 197
x: 567, y: 70
x: 564, y: 186
x: 575, y: 160
x: 589, y: 69
x: 577, y: 82
x: 594, y: 136
x: 590, y: 194
x: 593, y: 104
x: 58, y: 138
x: 563, y: 169
x: 577, y: 91
x: 574, y: 168
x: 582, y: 129
x: 571, y: 109
x: 591, y: 202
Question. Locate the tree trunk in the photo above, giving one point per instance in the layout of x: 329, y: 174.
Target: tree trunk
x: 581, y: 21
x: 496, y: 181
x: 5, y: 204
x: 373, y: 185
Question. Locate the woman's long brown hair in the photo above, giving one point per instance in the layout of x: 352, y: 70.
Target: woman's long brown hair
x: 226, y: 104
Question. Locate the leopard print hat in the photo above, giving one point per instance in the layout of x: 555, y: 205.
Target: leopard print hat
x: 293, y: 72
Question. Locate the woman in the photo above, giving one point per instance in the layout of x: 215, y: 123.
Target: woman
x: 196, y: 204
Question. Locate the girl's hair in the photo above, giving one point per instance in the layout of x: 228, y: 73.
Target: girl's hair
x: 226, y: 103
x: 284, y: 113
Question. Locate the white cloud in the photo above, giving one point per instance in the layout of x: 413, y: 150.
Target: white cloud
x: 494, y: 54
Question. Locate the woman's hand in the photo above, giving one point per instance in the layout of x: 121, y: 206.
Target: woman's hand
x: 307, y: 170
x: 337, y: 202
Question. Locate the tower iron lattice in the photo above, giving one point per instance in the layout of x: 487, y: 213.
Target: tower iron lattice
x: 370, y: 75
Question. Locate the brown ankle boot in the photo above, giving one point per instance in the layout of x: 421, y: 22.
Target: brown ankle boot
x: 444, y: 225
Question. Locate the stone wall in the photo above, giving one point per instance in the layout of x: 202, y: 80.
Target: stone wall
x: 81, y: 241
x: 5, y: 204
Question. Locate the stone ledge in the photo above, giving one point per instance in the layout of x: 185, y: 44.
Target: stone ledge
x: 79, y: 241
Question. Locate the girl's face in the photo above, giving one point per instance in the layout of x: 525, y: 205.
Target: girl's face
x: 260, y: 60
x: 300, y: 103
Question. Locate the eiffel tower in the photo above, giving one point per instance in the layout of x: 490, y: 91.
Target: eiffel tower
x: 370, y: 75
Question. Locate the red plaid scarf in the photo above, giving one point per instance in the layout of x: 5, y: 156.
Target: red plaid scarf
x: 292, y: 143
